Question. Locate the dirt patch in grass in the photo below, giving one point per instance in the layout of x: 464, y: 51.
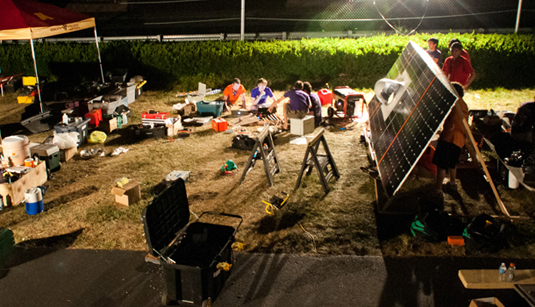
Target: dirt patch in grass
x: 344, y: 221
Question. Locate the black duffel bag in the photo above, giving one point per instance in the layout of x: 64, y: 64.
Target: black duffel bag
x: 243, y: 141
x: 485, y: 234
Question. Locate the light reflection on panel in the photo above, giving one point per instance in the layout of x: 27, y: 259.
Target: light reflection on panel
x: 401, y: 138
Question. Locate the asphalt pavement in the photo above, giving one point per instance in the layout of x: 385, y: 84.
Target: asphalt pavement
x: 71, y: 277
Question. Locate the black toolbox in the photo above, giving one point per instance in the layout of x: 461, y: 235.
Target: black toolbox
x: 189, y: 252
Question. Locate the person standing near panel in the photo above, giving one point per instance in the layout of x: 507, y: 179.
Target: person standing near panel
x: 458, y: 68
x: 435, y: 54
x: 450, y: 144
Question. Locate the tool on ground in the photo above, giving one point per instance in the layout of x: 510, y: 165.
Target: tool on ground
x: 276, y: 203
x: 227, y: 168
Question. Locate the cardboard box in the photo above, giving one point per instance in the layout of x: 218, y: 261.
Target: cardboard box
x: 128, y: 195
x: 302, y: 126
x: 67, y: 154
x: 13, y: 193
x: 172, y: 129
x: 486, y: 302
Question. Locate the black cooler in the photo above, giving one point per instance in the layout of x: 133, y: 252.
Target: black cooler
x: 189, y: 252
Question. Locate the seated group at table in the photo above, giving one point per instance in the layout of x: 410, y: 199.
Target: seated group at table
x: 302, y: 101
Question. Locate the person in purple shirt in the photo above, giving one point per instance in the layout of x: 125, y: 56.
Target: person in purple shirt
x: 316, y: 103
x: 260, y: 94
x: 298, y: 105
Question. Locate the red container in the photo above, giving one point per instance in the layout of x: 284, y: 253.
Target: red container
x: 95, y: 117
x: 158, y: 115
x: 326, y: 96
x: 219, y: 124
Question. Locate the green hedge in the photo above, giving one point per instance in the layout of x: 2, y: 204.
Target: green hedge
x: 499, y: 60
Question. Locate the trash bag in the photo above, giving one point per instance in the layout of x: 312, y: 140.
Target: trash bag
x: 66, y: 140
x: 97, y: 137
x: 242, y: 141
x: 485, y: 234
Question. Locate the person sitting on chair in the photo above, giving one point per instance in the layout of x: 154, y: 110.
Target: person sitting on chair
x: 298, y: 105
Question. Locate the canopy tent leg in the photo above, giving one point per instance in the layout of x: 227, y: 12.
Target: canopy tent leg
x: 36, y: 76
x: 99, y: 59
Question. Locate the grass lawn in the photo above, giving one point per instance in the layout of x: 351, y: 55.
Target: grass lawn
x: 81, y: 212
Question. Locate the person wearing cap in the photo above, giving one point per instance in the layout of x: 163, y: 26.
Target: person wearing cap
x: 232, y: 93
x: 458, y: 68
x: 464, y: 53
x: 433, y: 51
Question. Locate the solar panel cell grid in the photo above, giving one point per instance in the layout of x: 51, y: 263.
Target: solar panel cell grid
x: 400, y: 135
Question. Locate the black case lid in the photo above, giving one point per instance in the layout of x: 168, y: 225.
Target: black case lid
x: 165, y: 216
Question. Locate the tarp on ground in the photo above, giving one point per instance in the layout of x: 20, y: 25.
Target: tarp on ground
x: 26, y: 19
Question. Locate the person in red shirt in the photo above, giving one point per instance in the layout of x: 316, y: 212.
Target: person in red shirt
x: 458, y: 68
x: 232, y: 93
x: 450, y: 143
x: 464, y: 53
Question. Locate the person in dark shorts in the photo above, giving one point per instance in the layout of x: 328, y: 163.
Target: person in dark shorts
x: 450, y: 144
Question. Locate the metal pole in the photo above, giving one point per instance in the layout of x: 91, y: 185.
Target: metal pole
x: 518, y: 15
x: 99, y: 59
x: 36, y: 76
x: 242, y: 27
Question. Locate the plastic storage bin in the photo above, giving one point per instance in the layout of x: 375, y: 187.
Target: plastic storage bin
x: 95, y: 117
x: 326, y: 96
x: 41, y: 122
x: 80, y: 127
x: 189, y: 252
x: 210, y: 108
x: 147, y: 131
x: 48, y: 153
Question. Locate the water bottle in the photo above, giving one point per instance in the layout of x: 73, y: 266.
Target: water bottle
x: 510, y: 274
x: 502, y: 270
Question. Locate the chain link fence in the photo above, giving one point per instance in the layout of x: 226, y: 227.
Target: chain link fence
x: 186, y: 17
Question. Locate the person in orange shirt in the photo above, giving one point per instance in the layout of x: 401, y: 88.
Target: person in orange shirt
x: 232, y: 93
x: 450, y: 143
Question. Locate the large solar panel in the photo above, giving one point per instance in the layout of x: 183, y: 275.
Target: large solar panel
x: 402, y: 129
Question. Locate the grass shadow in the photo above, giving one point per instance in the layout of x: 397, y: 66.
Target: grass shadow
x: 30, y: 250
x: 277, y: 222
x: 70, y: 197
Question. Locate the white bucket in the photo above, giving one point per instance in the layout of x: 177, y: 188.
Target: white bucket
x: 16, y: 148
x: 512, y: 181
x: 33, y: 198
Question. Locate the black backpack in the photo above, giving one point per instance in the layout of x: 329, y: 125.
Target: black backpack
x: 243, y: 141
x: 436, y: 225
x: 485, y: 234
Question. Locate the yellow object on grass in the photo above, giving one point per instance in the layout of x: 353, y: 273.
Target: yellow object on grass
x: 121, y: 182
x: 97, y: 137
x: 238, y: 246
x: 224, y: 266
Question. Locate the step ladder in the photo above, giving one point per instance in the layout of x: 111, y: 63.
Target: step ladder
x: 324, y: 163
x: 263, y: 149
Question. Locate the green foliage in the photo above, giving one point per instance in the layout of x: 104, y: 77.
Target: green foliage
x: 499, y: 60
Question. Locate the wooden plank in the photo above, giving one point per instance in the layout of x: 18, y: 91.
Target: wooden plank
x: 472, y: 145
x: 490, y: 279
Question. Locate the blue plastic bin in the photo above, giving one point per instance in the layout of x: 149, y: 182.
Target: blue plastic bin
x: 210, y: 108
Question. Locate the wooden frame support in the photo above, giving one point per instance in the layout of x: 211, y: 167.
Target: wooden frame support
x: 471, y: 145
x: 263, y: 149
x: 324, y: 164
